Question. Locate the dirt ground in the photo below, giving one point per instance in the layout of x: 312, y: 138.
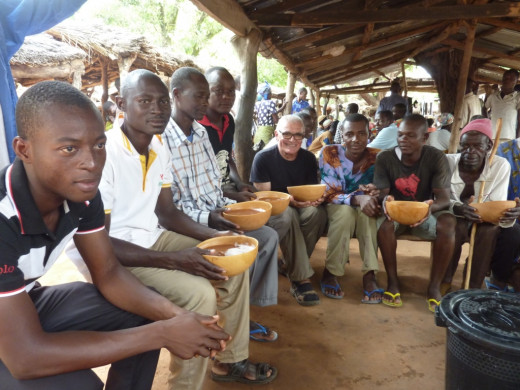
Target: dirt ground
x: 341, y: 344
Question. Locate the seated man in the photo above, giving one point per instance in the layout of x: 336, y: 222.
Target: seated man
x: 386, y: 131
x: 220, y: 128
x: 414, y: 171
x: 470, y: 168
x: 348, y: 172
x: 165, y: 258
x: 301, y: 225
x: 196, y: 185
x: 51, y: 336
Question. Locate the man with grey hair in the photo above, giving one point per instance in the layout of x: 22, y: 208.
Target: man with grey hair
x: 301, y: 225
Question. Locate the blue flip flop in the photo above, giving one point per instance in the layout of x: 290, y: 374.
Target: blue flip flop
x: 263, y: 330
x: 336, y: 288
x: 491, y: 286
x: 370, y: 293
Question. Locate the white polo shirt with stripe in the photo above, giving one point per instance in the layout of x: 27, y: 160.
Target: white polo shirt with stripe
x: 130, y: 187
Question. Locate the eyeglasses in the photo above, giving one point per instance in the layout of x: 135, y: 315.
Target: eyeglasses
x: 289, y: 135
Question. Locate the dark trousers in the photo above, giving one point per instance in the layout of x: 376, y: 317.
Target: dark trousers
x: 507, y: 250
x: 80, y: 306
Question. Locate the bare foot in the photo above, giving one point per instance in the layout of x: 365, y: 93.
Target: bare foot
x: 370, y: 286
x: 330, y: 286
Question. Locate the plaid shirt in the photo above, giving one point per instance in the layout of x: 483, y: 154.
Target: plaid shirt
x: 196, y: 176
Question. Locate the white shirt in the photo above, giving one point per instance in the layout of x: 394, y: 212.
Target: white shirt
x: 470, y: 106
x: 439, y: 139
x: 495, y: 176
x: 130, y: 189
x: 4, y: 155
x: 507, y: 109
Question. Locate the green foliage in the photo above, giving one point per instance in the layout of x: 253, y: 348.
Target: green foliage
x: 271, y: 71
x: 194, y: 39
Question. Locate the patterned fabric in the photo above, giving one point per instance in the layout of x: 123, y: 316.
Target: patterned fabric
x: 336, y: 173
x: 511, y: 152
x: 264, y: 110
x: 297, y: 105
x: 196, y: 175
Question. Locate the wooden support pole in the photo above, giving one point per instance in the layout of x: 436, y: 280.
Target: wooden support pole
x: 317, y: 106
x: 124, y: 64
x: 291, y: 80
x: 404, y: 80
x: 247, y: 50
x: 461, y: 86
x: 104, y: 83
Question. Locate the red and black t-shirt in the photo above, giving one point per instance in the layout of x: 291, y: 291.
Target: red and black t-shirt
x: 416, y: 182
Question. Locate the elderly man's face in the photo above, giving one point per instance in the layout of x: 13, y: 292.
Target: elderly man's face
x: 289, y: 139
x: 382, y: 122
x: 473, y: 149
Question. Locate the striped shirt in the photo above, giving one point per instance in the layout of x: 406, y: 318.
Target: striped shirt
x: 28, y: 248
x: 196, y: 175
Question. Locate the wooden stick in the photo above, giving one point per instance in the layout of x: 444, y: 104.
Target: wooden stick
x: 480, y: 196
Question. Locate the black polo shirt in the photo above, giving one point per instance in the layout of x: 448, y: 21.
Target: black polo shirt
x: 27, y: 248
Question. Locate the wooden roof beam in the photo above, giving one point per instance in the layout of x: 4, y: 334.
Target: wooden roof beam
x: 368, y: 61
x: 494, y: 53
x: 330, y: 17
x: 383, y: 85
x: 318, y: 36
x: 372, y: 45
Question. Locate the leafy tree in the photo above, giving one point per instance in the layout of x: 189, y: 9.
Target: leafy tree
x: 271, y: 71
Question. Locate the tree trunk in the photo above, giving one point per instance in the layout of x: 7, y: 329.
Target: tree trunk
x: 247, y: 50
x: 291, y: 80
x: 445, y: 70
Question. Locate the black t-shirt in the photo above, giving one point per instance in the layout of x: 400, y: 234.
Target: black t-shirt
x: 412, y: 182
x: 270, y: 166
x: 222, y: 148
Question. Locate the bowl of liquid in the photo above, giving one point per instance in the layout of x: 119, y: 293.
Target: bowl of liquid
x: 250, y: 215
x: 279, y: 200
x: 233, y: 253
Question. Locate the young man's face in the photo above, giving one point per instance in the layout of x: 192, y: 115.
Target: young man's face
x: 303, y: 95
x: 509, y: 80
x: 411, y: 137
x: 192, y: 99
x: 147, y: 106
x: 382, y: 121
x: 66, y: 154
x: 221, y: 93
x: 355, y: 137
x: 473, y: 149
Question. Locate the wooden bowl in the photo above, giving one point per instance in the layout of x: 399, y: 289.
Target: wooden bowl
x: 307, y: 193
x: 406, y: 212
x: 233, y: 264
x: 492, y: 211
x: 250, y: 215
x: 279, y: 200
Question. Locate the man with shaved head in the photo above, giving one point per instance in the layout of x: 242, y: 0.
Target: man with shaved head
x: 413, y: 171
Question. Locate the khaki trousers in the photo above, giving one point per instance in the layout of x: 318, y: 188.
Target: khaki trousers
x: 230, y: 298
x: 299, y: 229
x: 344, y: 222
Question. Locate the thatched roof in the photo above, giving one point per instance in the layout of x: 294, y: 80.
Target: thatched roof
x: 41, y: 57
x: 85, y: 49
x: 44, y: 50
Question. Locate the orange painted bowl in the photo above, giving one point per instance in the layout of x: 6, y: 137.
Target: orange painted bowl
x: 279, y: 200
x: 234, y: 253
x: 492, y: 211
x: 250, y: 215
x: 307, y: 193
x: 406, y: 212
